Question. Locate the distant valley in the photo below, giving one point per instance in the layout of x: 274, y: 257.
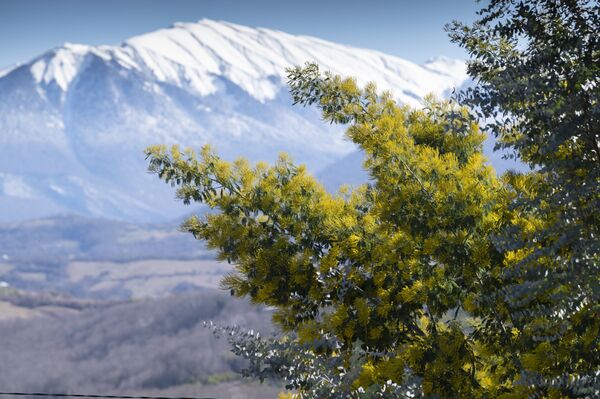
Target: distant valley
x: 55, y: 343
x: 71, y: 237
x: 98, y: 258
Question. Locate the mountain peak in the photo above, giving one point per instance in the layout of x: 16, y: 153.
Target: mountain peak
x: 195, y: 55
x: 59, y: 65
x: 75, y: 120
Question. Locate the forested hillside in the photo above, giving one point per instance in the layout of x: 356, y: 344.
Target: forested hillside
x: 71, y: 345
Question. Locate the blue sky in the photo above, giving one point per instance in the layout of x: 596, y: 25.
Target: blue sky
x: 411, y: 29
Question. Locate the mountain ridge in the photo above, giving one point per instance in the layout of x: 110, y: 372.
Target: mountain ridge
x: 75, y: 120
x: 301, y: 48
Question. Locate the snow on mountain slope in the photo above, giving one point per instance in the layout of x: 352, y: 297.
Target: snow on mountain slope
x: 194, y: 53
x: 75, y: 120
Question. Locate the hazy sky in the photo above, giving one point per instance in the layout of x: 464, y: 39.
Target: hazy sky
x: 411, y: 29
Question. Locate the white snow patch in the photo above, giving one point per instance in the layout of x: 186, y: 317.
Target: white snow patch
x: 60, y: 65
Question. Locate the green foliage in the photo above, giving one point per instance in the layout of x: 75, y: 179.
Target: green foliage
x: 436, y: 279
x: 387, y: 265
x: 537, y: 65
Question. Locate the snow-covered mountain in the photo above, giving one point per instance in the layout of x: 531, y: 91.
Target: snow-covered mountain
x: 75, y: 120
